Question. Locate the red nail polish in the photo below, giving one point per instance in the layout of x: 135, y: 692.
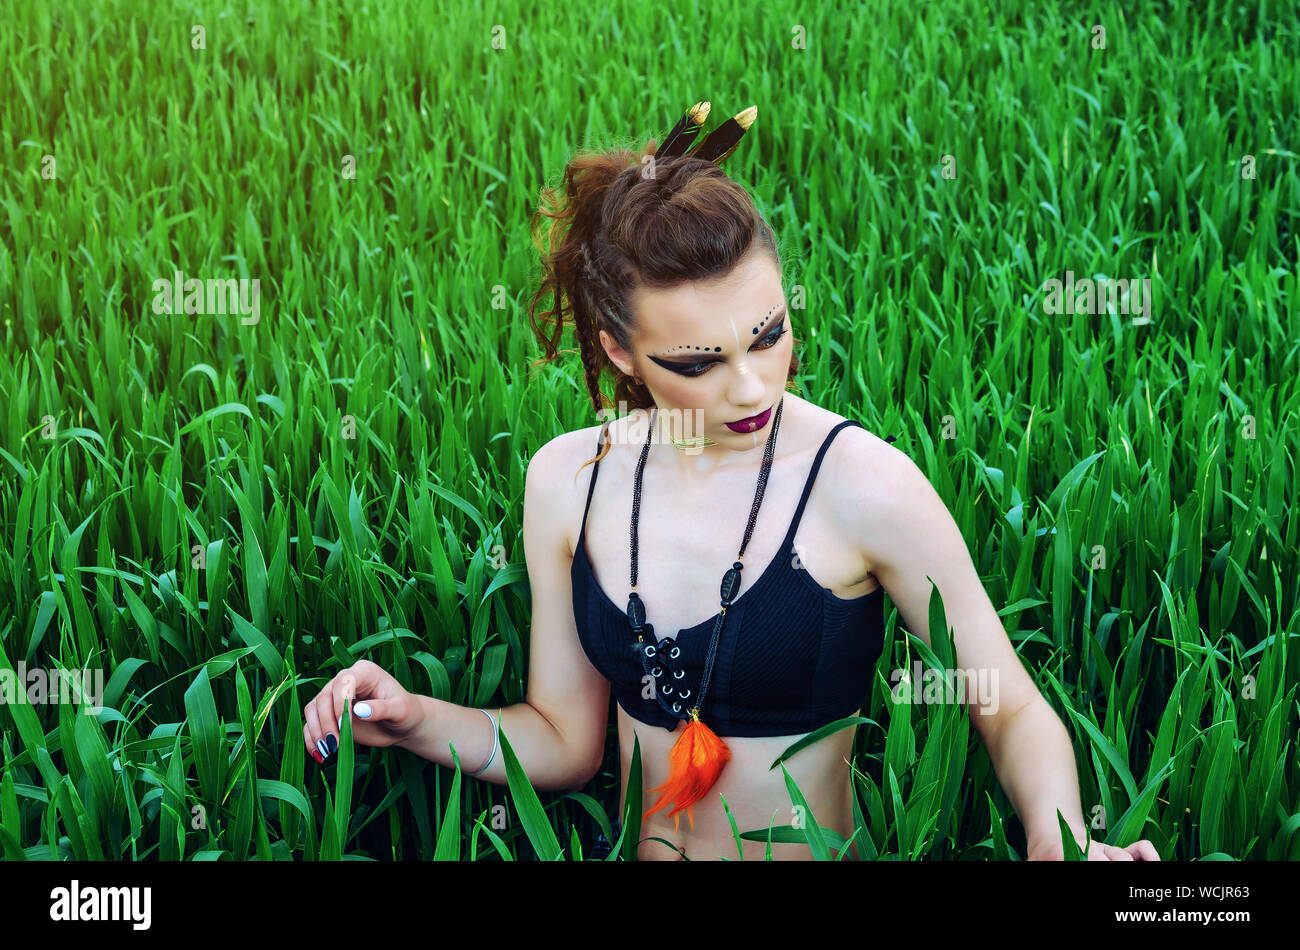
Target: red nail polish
x: 316, y: 755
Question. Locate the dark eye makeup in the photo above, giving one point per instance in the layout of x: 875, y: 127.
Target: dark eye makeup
x: 699, y: 369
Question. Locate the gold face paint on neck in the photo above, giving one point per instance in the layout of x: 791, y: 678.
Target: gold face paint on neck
x: 693, y: 445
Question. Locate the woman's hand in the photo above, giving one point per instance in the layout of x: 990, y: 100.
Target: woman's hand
x: 383, y: 713
x: 1142, y: 850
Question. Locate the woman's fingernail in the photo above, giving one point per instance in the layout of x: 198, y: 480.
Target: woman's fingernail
x: 362, y: 710
x: 322, y: 748
x: 332, y: 742
x: 340, y: 722
x: 317, y: 756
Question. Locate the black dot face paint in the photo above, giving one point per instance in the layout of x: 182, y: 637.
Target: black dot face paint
x: 772, y: 314
x: 699, y: 368
x: 776, y: 311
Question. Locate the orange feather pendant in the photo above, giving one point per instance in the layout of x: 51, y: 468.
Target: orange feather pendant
x: 696, y: 759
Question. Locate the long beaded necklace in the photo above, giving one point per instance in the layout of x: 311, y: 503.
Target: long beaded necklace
x: 698, y: 755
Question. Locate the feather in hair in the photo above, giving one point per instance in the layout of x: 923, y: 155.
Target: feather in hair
x: 722, y: 141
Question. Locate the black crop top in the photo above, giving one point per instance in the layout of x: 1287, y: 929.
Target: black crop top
x: 791, y: 657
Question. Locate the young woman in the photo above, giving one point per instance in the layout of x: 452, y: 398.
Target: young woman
x: 673, y: 281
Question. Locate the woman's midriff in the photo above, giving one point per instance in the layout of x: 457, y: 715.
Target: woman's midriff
x: 758, y: 797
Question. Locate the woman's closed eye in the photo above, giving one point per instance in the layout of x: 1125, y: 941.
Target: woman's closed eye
x: 766, y: 343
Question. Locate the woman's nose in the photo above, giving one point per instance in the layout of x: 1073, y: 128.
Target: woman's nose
x: 747, y: 389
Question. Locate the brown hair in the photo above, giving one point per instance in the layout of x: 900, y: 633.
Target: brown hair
x: 614, y: 229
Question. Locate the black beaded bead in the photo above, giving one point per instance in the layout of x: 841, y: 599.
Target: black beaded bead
x: 730, y: 584
x: 635, y: 611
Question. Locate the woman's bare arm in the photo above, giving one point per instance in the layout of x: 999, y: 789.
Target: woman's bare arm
x: 558, y: 732
x: 911, y: 540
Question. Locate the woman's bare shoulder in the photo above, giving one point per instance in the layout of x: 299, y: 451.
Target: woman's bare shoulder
x: 857, y: 440
x: 558, y: 468
x: 565, y: 453
x: 862, y: 455
x: 858, y: 462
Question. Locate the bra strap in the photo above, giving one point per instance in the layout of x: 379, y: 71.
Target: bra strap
x: 812, y: 477
x: 595, y: 470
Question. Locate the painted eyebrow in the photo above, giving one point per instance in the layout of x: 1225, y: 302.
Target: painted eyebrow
x: 711, y: 358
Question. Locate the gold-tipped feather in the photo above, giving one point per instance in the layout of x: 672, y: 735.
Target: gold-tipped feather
x: 722, y: 141
x: 680, y: 137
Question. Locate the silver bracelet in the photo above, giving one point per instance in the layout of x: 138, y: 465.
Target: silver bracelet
x: 496, y: 738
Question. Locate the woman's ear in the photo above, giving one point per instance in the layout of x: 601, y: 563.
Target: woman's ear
x: 617, y: 355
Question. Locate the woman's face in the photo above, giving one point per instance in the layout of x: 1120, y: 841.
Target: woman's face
x: 718, y: 351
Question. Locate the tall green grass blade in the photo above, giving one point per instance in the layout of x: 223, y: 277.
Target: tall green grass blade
x: 531, y: 814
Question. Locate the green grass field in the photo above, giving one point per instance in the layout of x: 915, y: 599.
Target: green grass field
x: 221, y: 510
